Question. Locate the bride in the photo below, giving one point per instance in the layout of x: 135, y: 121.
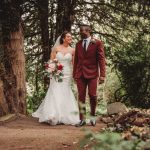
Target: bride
x: 60, y: 106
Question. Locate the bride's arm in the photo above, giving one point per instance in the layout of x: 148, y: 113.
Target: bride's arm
x: 73, y: 53
x: 53, y: 54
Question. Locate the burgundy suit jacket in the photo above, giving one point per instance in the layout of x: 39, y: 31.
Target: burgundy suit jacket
x: 89, y: 62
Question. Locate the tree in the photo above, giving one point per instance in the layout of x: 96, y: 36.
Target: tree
x: 43, y: 18
x: 65, y: 15
x: 133, y: 63
x: 12, y: 63
x: 44, y: 30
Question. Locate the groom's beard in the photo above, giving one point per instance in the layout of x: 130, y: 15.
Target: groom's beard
x: 83, y: 36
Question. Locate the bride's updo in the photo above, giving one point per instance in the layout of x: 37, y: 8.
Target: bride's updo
x: 63, y: 35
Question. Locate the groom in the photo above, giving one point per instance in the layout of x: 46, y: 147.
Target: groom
x: 88, y: 62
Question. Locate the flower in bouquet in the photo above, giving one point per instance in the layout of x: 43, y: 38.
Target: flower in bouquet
x: 54, y: 68
x: 60, y: 67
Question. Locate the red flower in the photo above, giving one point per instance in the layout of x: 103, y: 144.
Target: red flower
x: 60, y: 67
x: 46, y: 65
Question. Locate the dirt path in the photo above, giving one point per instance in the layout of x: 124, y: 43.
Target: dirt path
x: 26, y: 133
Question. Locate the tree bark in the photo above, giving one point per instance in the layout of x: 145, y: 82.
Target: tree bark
x: 43, y: 18
x: 65, y: 15
x: 12, y: 66
x: 3, y: 104
x: 12, y: 81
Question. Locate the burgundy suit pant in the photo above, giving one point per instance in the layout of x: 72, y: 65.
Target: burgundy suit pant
x: 82, y: 84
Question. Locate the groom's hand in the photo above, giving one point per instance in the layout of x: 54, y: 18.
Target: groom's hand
x: 101, y: 80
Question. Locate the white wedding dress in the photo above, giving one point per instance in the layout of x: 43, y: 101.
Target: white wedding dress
x: 60, y: 105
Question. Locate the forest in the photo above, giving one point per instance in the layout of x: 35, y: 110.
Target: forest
x: 29, y: 29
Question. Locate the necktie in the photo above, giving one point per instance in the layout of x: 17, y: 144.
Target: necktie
x: 84, y: 46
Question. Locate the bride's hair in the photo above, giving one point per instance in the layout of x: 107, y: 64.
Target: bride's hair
x: 63, y: 35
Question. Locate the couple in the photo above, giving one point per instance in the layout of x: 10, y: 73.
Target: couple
x: 88, y: 59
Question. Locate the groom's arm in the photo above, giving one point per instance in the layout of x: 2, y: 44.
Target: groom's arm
x: 101, y: 60
x: 75, y: 62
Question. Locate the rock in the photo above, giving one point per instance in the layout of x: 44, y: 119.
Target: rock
x: 115, y: 108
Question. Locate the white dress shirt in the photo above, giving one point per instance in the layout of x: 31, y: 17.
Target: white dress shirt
x: 87, y: 42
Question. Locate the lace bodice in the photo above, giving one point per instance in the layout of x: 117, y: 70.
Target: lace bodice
x: 65, y: 60
x: 64, y: 57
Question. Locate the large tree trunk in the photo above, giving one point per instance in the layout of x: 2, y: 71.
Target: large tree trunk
x: 3, y: 104
x: 65, y: 15
x: 12, y: 69
x: 12, y: 83
x: 43, y: 18
x: 15, y: 47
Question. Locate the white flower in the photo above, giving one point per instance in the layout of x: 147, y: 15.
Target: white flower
x: 52, y: 66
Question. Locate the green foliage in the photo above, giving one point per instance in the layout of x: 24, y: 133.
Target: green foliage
x: 101, y: 108
x: 112, y: 83
x: 34, y: 100
x: 133, y: 64
x: 109, y: 141
x: 35, y: 87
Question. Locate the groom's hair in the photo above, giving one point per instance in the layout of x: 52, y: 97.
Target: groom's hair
x: 85, y: 25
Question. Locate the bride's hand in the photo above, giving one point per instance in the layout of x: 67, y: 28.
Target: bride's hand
x: 75, y: 80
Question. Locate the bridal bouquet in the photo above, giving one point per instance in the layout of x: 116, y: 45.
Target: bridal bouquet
x: 54, y: 68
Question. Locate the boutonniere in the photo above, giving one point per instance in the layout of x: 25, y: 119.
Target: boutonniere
x: 93, y: 41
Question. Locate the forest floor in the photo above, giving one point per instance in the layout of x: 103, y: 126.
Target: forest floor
x: 25, y: 133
